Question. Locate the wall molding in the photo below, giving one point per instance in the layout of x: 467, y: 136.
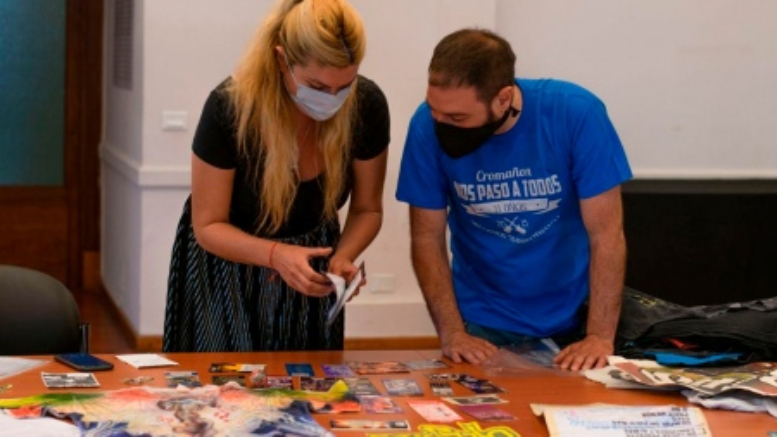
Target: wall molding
x: 145, y: 176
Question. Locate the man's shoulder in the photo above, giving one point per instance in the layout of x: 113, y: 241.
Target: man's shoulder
x: 557, y: 88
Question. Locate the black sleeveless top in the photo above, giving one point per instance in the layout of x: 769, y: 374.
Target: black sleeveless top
x: 215, y: 143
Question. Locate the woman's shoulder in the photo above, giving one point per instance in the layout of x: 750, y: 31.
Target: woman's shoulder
x: 369, y: 91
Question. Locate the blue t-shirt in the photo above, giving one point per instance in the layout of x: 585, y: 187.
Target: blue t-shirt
x: 520, y: 249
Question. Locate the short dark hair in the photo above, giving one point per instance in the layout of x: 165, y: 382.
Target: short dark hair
x: 473, y: 57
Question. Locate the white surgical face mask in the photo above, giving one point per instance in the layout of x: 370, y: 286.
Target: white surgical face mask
x: 317, y: 104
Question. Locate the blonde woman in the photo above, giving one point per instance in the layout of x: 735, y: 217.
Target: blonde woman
x: 280, y: 147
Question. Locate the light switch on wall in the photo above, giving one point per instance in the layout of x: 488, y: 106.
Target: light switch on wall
x: 174, y: 120
x: 381, y: 283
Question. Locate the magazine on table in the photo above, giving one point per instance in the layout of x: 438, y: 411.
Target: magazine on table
x: 759, y: 378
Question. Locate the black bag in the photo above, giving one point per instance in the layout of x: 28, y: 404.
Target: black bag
x: 748, y: 328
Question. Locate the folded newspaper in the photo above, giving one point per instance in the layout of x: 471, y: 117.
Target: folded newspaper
x: 344, y: 291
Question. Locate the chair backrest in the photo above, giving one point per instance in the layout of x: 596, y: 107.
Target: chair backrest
x: 38, y: 314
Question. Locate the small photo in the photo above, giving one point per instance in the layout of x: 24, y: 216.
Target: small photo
x: 309, y: 383
x: 474, y: 400
x: 275, y: 382
x: 402, y: 387
x: 184, y: 378
x: 360, y: 425
x: 487, y: 413
x: 299, y: 369
x: 375, y: 368
x: 379, y: 404
x: 361, y: 386
x: 69, y: 380
x: 337, y: 370
x: 480, y: 386
x: 235, y: 368
x: 426, y: 364
x: 223, y: 379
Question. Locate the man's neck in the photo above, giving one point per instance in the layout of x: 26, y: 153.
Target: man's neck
x: 517, y: 103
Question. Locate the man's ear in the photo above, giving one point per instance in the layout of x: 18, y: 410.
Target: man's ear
x: 505, y: 95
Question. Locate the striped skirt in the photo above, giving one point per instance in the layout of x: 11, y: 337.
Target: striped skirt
x: 216, y: 305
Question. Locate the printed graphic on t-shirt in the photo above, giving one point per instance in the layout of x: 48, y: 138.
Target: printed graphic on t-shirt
x: 515, y: 204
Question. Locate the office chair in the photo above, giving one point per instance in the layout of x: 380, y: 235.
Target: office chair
x: 38, y: 314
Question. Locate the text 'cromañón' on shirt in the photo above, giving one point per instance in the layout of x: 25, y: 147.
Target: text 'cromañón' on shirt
x: 520, y: 249
x: 215, y: 143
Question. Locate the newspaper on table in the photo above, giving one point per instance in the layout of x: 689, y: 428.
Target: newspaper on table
x: 11, y: 366
x: 602, y: 420
x: 759, y: 378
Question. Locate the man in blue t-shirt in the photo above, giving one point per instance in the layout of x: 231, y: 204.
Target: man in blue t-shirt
x: 526, y: 175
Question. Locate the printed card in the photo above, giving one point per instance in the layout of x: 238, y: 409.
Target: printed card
x: 299, y: 369
x: 69, y: 380
x: 337, y: 370
x: 311, y: 383
x: 277, y: 382
x: 379, y: 404
x: 223, y: 379
x: 441, y: 388
x: 426, y: 364
x: 235, y: 368
x: 434, y: 411
x: 480, y: 386
x: 402, y: 387
x: 361, y: 386
x: 446, y: 376
x: 474, y: 400
x: 368, y: 425
x: 487, y: 413
x: 376, y: 368
x: 185, y: 378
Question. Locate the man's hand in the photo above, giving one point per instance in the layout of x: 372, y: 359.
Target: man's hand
x: 461, y: 347
x: 588, y: 353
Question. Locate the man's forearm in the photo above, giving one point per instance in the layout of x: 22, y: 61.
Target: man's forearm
x: 430, y: 262
x: 607, y: 271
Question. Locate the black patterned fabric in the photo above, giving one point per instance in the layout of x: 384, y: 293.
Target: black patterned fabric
x: 216, y: 305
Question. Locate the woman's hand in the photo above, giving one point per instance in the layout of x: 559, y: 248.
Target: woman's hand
x: 344, y: 268
x: 293, y: 264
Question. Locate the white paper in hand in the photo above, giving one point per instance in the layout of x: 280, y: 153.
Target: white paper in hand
x: 343, y: 291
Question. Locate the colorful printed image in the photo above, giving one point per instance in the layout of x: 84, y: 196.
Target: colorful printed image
x: 184, y: 378
x: 379, y: 405
x: 235, y: 368
x: 211, y: 410
x: 310, y: 383
x: 375, y: 368
x: 369, y: 424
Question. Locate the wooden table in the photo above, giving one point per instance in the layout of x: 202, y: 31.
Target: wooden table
x: 531, y: 387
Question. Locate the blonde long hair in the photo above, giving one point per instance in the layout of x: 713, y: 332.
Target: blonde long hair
x: 328, y: 32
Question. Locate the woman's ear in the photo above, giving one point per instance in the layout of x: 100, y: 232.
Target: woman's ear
x: 280, y: 57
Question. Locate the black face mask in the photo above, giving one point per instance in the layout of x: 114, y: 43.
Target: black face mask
x: 461, y: 141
